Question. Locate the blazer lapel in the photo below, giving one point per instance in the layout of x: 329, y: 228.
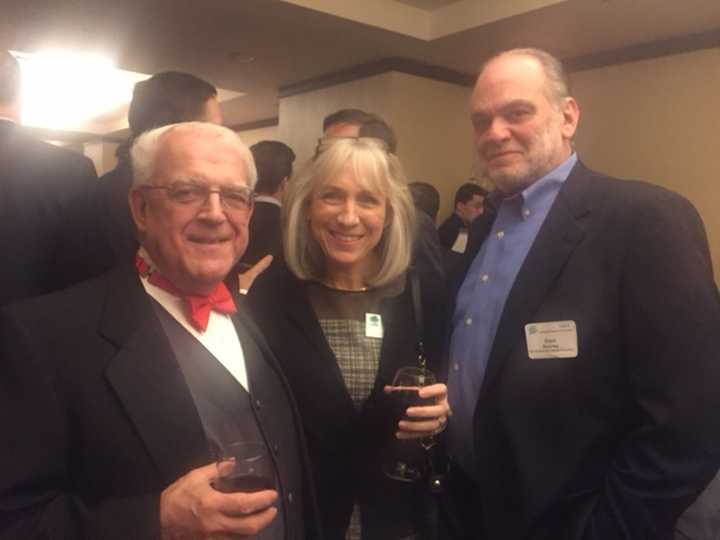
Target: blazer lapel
x: 148, y: 380
x: 561, y: 232
x: 323, y: 372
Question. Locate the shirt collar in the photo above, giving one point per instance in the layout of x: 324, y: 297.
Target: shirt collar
x: 555, y: 177
x: 540, y: 195
x: 268, y: 199
x: 6, y: 119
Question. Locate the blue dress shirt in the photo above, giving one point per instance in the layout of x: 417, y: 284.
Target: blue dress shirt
x: 482, y: 297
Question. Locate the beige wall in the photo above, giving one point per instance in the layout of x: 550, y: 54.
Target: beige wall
x: 433, y: 127
x: 252, y: 136
x: 301, y: 115
x: 429, y: 117
x: 658, y: 120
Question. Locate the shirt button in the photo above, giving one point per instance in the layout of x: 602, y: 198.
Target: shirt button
x: 276, y: 448
x: 456, y: 366
x: 258, y: 403
x: 468, y: 321
x: 485, y: 277
x: 501, y: 234
x: 290, y: 497
x: 526, y: 212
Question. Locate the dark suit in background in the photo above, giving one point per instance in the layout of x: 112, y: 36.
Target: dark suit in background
x: 265, y: 233
x: 38, y: 184
x: 102, y: 419
x: 450, y: 229
x: 615, y: 443
x: 101, y: 233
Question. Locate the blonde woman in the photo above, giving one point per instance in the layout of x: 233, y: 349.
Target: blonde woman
x: 340, y: 319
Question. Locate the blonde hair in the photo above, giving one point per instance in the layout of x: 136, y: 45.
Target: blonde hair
x: 371, y: 166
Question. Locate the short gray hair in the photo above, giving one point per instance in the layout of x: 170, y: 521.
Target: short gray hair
x: 371, y: 165
x: 144, y: 149
x: 558, y: 87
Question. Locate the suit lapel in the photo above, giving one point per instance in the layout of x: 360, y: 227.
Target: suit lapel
x: 320, y: 365
x: 148, y: 380
x: 561, y: 232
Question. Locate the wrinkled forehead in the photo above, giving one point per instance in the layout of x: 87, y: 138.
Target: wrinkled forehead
x: 510, y: 78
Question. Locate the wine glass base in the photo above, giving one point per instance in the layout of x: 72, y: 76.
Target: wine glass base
x: 403, y: 472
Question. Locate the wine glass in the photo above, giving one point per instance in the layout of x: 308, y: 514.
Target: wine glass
x: 246, y: 467
x: 406, y: 460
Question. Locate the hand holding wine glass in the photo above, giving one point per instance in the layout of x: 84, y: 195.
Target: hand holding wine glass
x: 428, y: 409
x: 245, y: 467
x: 191, y: 507
x: 420, y: 415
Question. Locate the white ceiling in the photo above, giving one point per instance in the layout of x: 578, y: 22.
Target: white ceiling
x: 296, y: 40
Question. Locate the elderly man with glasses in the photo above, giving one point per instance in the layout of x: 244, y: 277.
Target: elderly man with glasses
x: 119, y: 394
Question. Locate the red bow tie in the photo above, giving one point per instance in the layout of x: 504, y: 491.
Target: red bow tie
x: 197, y: 308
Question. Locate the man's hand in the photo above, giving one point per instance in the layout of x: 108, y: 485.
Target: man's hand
x: 247, y: 278
x: 427, y: 420
x: 191, y: 509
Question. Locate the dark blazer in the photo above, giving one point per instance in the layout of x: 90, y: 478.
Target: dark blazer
x: 345, y: 445
x: 449, y: 230
x: 615, y: 443
x: 102, y: 420
x: 101, y: 233
x: 38, y: 182
x: 265, y: 236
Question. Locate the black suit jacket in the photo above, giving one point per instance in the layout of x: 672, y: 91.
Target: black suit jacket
x: 102, y: 233
x: 345, y: 445
x: 102, y: 420
x: 38, y: 183
x: 449, y: 230
x: 615, y: 443
x: 265, y: 236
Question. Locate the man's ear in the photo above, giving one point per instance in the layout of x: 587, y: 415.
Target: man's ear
x: 571, y: 116
x: 138, y: 209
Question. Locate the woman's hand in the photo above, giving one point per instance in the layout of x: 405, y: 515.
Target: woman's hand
x: 426, y: 420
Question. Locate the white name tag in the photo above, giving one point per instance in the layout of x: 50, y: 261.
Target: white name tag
x: 373, y: 325
x: 460, y: 244
x: 556, y: 339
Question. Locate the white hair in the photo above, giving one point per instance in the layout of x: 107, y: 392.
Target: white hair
x: 145, y: 148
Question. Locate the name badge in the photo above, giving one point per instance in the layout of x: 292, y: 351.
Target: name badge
x: 557, y: 339
x: 373, y: 325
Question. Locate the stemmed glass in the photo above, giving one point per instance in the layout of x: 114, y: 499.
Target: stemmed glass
x: 406, y: 459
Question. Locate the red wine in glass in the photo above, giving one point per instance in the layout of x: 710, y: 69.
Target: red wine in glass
x: 249, y: 483
x: 246, y: 467
x: 406, y: 461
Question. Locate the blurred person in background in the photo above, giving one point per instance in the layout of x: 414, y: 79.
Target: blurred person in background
x: 102, y: 233
x: 39, y: 183
x: 469, y: 205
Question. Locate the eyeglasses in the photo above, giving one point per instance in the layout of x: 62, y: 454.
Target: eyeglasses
x: 188, y: 193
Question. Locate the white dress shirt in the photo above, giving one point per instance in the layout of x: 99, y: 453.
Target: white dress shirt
x: 219, y: 338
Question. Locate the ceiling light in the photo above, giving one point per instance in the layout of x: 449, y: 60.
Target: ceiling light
x: 62, y: 90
